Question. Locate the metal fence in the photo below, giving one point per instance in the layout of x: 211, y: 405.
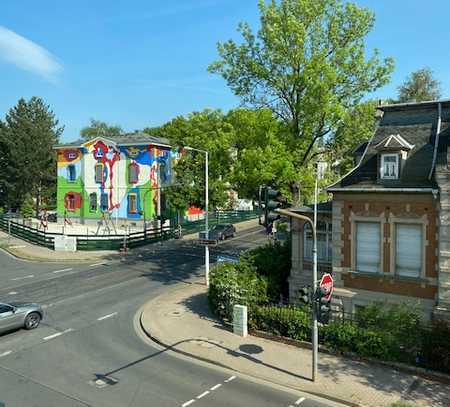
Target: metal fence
x: 86, y: 242
x: 17, y: 227
x: 217, y: 217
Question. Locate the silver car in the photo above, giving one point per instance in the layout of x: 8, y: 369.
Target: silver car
x: 15, y: 316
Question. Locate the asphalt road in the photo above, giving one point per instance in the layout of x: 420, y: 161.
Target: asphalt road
x: 87, y: 353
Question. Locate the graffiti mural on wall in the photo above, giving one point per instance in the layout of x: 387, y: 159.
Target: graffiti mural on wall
x: 102, y: 176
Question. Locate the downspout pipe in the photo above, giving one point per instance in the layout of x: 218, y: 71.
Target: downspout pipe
x: 436, y: 142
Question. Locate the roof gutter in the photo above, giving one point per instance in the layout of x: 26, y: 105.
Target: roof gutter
x: 436, y: 141
x: 423, y: 190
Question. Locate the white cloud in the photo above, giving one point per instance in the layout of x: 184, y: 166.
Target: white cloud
x: 27, y: 55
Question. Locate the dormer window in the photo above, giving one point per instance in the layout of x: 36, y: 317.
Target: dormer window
x: 389, y: 166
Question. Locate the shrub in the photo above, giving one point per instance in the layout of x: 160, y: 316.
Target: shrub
x: 27, y: 208
x: 340, y: 336
x: 232, y: 284
x: 436, y: 347
x: 283, y: 321
x: 274, y: 262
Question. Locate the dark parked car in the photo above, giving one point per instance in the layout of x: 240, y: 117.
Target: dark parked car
x: 15, y: 316
x: 219, y: 232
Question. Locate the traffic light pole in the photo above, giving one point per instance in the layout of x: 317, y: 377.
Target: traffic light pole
x: 314, y: 333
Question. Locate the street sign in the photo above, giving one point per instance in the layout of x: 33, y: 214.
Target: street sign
x: 207, y: 242
x: 327, y: 284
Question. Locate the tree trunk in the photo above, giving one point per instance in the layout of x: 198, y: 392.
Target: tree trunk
x: 296, y: 198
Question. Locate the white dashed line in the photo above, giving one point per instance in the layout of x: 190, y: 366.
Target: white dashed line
x: 23, y: 278
x: 62, y: 271
x: 16, y: 247
x: 216, y: 386
x: 97, y: 264
x: 57, y: 334
x: 203, y: 394
x: 8, y: 352
x: 12, y: 293
x: 230, y: 379
x: 188, y: 403
x: 300, y: 400
x: 106, y: 316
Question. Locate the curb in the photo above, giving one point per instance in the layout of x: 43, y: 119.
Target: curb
x: 25, y: 257
x: 194, y: 358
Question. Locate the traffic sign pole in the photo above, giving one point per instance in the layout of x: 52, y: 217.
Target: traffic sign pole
x: 315, y: 334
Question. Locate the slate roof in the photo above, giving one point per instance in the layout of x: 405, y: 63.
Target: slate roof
x: 416, y: 123
x: 136, y: 138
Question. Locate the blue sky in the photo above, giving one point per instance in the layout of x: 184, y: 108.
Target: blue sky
x: 139, y: 63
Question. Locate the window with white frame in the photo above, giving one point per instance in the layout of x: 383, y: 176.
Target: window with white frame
x: 71, y: 173
x: 389, y: 166
x: 99, y: 173
x: 367, y: 247
x: 323, y: 242
x: 408, y: 251
x: 132, y: 203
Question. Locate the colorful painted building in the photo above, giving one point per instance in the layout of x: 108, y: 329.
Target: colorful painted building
x: 119, y: 178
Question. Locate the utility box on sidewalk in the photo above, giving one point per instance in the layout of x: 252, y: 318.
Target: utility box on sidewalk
x: 240, y: 320
x: 65, y: 244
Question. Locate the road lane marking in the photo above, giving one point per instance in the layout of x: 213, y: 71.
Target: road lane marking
x: 230, y: 379
x: 203, y: 394
x: 188, y: 403
x: 300, y: 400
x: 216, y: 386
x: 8, y: 352
x: 97, y: 264
x: 12, y: 293
x: 106, y: 316
x: 57, y: 334
x: 22, y: 278
x: 62, y: 271
x: 17, y: 247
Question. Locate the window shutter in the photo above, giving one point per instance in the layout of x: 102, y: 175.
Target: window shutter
x: 408, y: 250
x: 368, y: 247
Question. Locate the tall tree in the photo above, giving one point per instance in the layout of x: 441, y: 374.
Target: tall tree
x: 28, y: 134
x: 307, y: 63
x: 419, y: 86
x: 97, y: 128
x: 206, y: 131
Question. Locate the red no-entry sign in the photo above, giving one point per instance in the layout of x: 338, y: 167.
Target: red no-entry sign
x: 327, y: 284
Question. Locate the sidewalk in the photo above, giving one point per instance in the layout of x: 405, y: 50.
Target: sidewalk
x: 25, y: 250
x: 180, y: 319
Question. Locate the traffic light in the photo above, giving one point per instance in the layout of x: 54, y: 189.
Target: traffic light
x: 305, y: 295
x: 323, y: 306
x: 273, y: 200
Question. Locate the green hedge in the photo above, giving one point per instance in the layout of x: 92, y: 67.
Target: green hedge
x: 283, y: 321
x: 232, y: 284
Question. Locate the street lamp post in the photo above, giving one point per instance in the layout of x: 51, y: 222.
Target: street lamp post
x: 206, y: 210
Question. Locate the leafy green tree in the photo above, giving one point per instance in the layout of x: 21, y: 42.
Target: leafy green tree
x: 307, y: 63
x: 97, y: 128
x: 419, y: 86
x: 357, y: 126
x: 27, y: 208
x: 206, y: 131
x: 28, y: 134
